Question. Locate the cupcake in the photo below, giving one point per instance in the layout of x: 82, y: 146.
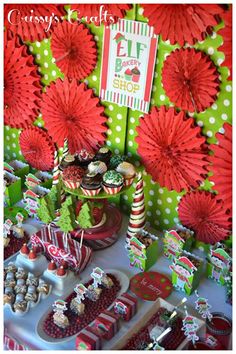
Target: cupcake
x: 128, y: 172
x: 103, y: 154
x: 91, y: 184
x: 67, y: 161
x: 128, y: 74
x: 136, y: 74
x: 97, y: 167
x: 115, y: 161
x: 72, y: 176
x: 112, y: 182
x: 84, y: 157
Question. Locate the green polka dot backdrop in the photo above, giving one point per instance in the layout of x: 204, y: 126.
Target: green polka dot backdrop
x: 161, y: 204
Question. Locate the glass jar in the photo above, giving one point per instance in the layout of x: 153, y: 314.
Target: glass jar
x: 220, y: 327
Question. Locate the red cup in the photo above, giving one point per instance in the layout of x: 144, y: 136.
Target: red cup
x: 220, y: 327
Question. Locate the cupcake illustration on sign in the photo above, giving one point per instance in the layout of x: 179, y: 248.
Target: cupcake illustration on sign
x: 129, y: 53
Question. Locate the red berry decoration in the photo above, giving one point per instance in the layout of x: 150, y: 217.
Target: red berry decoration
x: 61, y: 271
x: 25, y: 249
x: 32, y: 255
x: 52, y: 266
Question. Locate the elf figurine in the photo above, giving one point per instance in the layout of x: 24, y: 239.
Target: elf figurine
x: 220, y: 263
x: 136, y: 254
x: 173, y: 244
x: 183, y: 269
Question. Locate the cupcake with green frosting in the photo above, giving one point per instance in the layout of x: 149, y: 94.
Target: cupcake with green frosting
x: 115, y: 161
x: 113, y: 182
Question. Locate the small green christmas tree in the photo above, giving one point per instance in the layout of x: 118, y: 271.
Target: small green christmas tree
x: 85, y: 218
x: 66, y: 221
x: 46, y: 210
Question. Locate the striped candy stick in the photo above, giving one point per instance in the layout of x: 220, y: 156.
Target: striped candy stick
x: 137, y: 215
x: 64, y: 154
x: 56, y: 171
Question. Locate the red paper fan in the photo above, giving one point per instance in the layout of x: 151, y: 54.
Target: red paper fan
x: 172, y: 149
x: 190, y: 79
x: 74, y: 49
x: 222, y: 166
x: 182, y: 23
x: 22, y: 89
x: 101, y: 13
x: 226, y: 33
x: 205, y: 215
x: 37, y: 148
x: 70, y: 111
x: 23, y: 19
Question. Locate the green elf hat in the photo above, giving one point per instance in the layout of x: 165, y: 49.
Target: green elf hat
x: 201, y: 301
x: 136, y: 243
x: 221, y: 254
x: 189, y: 320
x: 186, y: 263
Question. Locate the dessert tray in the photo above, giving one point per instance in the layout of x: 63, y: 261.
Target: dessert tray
x: 124, y: 285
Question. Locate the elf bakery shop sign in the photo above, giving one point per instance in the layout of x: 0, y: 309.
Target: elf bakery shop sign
x: 129, y: 53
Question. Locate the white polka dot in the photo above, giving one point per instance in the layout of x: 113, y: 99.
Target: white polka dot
x: 176, y: 220
x: 132, y: 120
x: 131, y: 131
x: 110, y: 120
x: 31, y: 48
x: 45, y: 65
x: 38, y: 56
x: 14, y: 154
x: 162, y: 97
x: 130, y: 143
x: 154, y: 88
x: 38, y: 44
x: 96, y: 38
x: 8, y: 147
x: 152, y: 182
x: 39, y: 124
x: 7, y: 127
x: 158, y: 212
x: 150, y: 203
x: 226, y: 103
x: 213, y: 35
x: 117, y: 140
x: 166, y: 221
x: 14, y: 145
x: 169, y: 200
x: 119, y: 116
x: 140, y: 11
x: 159, y: 201
x: 125, y: 197
x: 160, y: 190
x: 13, y: 135
x: 151, y: 192
x: 54, y: 73
x: 149, y: 213
x: 178, y: 198
x: 200, y: 123
x: 53, y: 60
x: 108, y: 143
x: 156, y: 222
x: 137, y: 163
x: 220, y: 61
x: 45, y: 40
x: 94, y: 78
x: 210, y: 50
x: 228, y: 88
x: 8, y: 138
x: 45, y: 52
x: 214, y: 106
x: 212, y: 120
x: 209, y: 134
x: 224, y: 116
x: 117, y: 151
x: 110, y: 107
x: 118, y: 128
x: 221, y: 130
x: 109, y: 132
x: 46, y: 76
x: 167, y: 210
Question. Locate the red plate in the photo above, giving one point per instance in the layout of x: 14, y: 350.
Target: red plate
x: 151, y: 285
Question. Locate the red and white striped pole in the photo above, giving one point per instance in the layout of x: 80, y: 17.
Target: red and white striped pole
x: 137, y: 215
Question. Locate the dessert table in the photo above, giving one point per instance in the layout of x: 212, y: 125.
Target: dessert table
x: 24, y: 329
